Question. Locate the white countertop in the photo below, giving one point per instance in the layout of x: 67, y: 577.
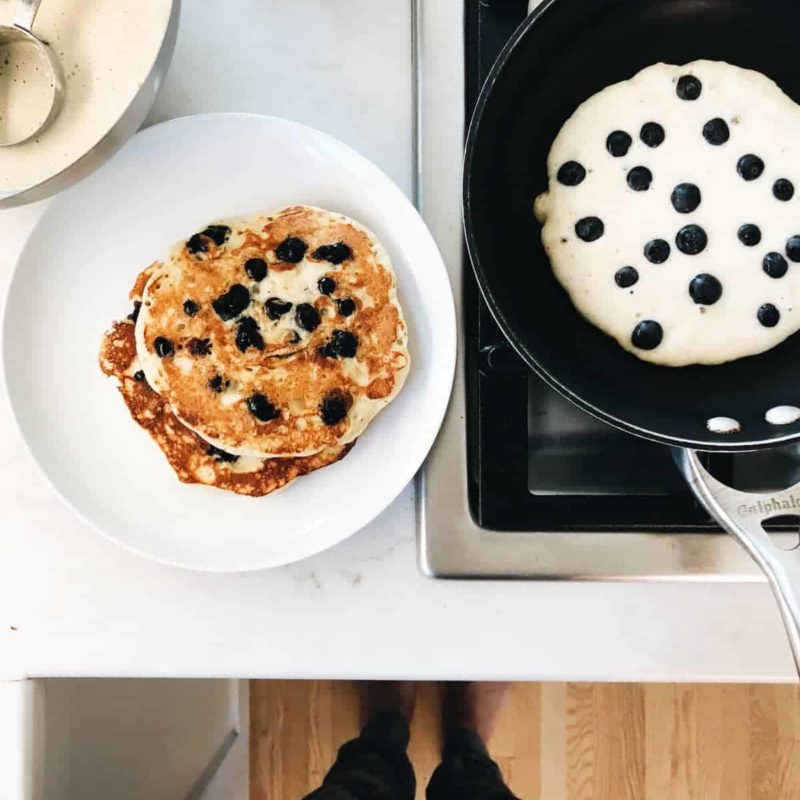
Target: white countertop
x: 71, y: 603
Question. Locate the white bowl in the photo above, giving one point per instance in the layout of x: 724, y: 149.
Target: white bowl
x: 111, y: 140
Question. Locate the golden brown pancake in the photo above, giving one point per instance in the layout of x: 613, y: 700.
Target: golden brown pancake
x: 276, y: 335
x: 194, y: 460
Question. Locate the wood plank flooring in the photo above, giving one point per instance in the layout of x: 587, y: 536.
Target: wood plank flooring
x: 559, y: 741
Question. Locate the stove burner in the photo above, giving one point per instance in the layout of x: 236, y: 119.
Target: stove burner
x: 536, y: 462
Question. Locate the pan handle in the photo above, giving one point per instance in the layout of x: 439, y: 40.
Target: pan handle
x: 741, y: 514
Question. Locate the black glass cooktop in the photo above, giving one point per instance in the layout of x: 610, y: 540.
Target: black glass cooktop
x: 538, y: 463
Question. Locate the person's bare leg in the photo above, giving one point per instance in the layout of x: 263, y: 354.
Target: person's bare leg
x: 379, y: 697
x: 474, y: 705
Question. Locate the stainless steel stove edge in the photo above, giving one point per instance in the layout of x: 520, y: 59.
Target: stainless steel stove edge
x: 450, y: 544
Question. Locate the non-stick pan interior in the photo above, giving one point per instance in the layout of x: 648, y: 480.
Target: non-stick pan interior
x: 571, y: 50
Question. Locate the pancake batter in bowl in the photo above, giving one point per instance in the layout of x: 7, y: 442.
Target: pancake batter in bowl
x: 106, y: 49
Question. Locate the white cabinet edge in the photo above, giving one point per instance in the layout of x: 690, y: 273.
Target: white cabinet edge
x: 21, y: 739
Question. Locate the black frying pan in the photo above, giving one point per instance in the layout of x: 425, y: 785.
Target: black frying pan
x: 564, y: 52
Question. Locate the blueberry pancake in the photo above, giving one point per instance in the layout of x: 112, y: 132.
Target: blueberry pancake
x: 671, y: 217
x: 194, y: 460
x: 275, y: 336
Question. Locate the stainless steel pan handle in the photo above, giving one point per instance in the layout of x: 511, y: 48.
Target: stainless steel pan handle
x: 741, y: 514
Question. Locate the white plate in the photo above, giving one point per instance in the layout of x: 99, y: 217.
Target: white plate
x: 73, y: 278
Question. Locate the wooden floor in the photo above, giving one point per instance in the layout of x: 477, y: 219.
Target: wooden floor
x: 559, y: 741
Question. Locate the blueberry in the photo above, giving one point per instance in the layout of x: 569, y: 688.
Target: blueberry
x: 276, y: 308
x: 199, y: 347
x: 333, y: 253
x: 134, y: 315
x: 768, y: 315
x: 639, y: 179
x: 749, y: 235
x: 232, y: 303
x: 652, y: 134
x: 333, y: 408
x: 256, y: 268
x: 691, y: 240
x: 618, y: 143
x: 793, y: 248
x: 685, y: 198
x: 261, y: 408
x: 571, y: 173
x: 221, y: 455
x: 783, y: 189
x: 291, y: 250
x: 589, y: 229
x: 346, y: 306
x: 775, y: 265
x: 307, y: 317
x: 190, y: 308
x: 716, y: 131
x: 705, y: 289
x: 657, y: 251
x: 216, y: 383
x: 248, y: 335
x: 647, y: 335
x: 326, y: 285
x: 138, y: 376
x: 197, y: 244
x: 689, y: 88
x: 750, y: 167
x: 163, y: 347
x: 625, y: 277
x: 216, y: 233
x: 342, y: 344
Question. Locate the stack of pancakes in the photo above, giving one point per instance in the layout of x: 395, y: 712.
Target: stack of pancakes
x: 261, y: 348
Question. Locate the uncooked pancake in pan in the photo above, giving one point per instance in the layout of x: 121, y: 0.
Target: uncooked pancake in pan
x: 671, y: 217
